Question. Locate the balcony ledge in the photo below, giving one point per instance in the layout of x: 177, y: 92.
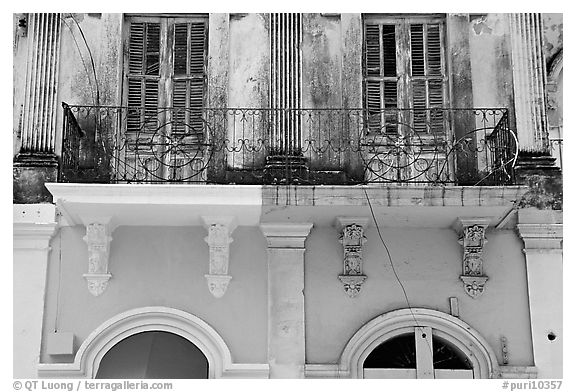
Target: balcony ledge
x: 154, y: 204
x: 184, y: 205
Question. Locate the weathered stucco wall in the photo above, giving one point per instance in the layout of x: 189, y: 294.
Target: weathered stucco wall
x: 102, y: 46
x: 161, y: 266
x: 490, y: 61
x: 90, y: 62
x: 249, y: 61
x: 552, y: 29
x: 428, y: 263
x: 321, y: 61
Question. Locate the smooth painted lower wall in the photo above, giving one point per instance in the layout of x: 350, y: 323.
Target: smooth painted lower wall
x: 165, y: 266
x: 161, y: 266
x: 428, y: 263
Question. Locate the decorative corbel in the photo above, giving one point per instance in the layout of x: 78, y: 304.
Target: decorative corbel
x: 98, y: 240
x: 352, y: 239
x: 472, y: 233
x: 219, y: 239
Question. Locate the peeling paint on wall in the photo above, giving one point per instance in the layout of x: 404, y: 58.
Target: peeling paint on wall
x: 552, y: 29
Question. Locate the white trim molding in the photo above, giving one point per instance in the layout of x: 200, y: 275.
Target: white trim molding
x: 153, y: 318
x: 389, y: 325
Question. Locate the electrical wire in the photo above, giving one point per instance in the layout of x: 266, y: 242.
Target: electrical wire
x: 91, y: 59
x: 92, y: 91
x: 394, y: 271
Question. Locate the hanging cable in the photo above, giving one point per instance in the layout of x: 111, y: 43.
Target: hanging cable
x: 394, y: 271
x: 92, y: 90
x: 91, y: 59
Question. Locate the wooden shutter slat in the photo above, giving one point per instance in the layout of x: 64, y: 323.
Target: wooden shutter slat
x: 373, y: 99
x: 197, y: 47
x: 419, y: 103
x: 151, y: 104
x: 389, y: 50
x: 434, y: 50
x: 136, y: 48
x: 372, y: 44
x: 179, y: 99
x: 436, y: 100
x: 417, y: 49
x: 196, y: 105
x: 180, y: 48
x: 152, y: 48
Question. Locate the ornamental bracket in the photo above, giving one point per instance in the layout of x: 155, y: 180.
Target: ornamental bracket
x: 352, y: 239
x: 219, y: 239
x: 98, y: 240
x: 472, y: 237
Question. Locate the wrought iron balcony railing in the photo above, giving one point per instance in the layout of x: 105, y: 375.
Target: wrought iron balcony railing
x: 287, y: 146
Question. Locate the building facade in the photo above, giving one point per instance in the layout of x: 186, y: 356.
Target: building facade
x: 288, y: 195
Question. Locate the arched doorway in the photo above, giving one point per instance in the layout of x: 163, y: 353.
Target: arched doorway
x: 151, y: 355
x: 417, y: 343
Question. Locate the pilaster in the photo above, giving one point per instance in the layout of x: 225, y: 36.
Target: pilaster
x: 36, y: 162
x: 528, y: 69
x: 286, y: 331
x: 34, y: 226
x: 542, y: 234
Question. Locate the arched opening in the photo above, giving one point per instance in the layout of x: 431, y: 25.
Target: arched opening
x: 417, y: 355
x: 151, y: 355
x: 142, y: 320
x: 417, y: 343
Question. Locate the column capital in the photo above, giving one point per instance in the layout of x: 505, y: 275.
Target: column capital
x: 33, y: 225
x: 286, y: 235
x: 541, y: 237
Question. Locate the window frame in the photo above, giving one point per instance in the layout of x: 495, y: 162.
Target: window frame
x: 404, y: 65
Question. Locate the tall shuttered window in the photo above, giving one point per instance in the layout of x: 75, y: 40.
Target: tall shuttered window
x: 404, y: 68
x: 166, y: 68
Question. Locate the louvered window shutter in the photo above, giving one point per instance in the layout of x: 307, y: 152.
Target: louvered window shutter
x: 189, y: 78
x: 427, y: 79
x: 404, y: 68
x: 143, y: 76
x: 381, y: 79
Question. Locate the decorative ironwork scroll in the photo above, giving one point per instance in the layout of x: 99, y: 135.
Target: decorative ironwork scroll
x: 335, y: 146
